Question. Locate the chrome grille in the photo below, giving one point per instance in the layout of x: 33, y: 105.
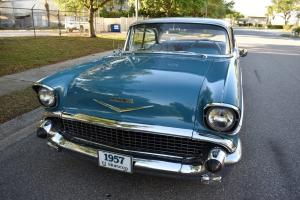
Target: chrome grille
x: 137, y: 141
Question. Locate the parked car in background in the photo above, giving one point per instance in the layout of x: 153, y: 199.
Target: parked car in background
x: 76, y: 23
x: 171, y: 103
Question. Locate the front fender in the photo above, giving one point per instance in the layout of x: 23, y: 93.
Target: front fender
x: 223, y: 84
x: 61, y: 81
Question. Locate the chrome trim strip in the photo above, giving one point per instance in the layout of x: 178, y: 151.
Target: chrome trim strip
x: 222, y: 105
x: 59, y: 142
x: 187, y: 133
x: 180, y: 53
x: 226, y: 143
x: 127, y: 39
x: 238, y: 128
x: 121, y: 110
x: 161, y: 130
x: 42, y: 85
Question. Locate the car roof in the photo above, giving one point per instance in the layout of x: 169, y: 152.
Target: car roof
x: 217, y: 22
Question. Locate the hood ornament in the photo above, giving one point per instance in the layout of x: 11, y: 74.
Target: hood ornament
x: 120, y: 110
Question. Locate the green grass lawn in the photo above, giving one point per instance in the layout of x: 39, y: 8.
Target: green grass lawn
x: 17, y: 103
x: 22, y: 53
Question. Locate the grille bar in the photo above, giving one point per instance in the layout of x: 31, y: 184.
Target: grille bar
x: 137, y: 141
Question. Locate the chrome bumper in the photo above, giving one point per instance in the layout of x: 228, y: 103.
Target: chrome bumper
x: 58, y: 142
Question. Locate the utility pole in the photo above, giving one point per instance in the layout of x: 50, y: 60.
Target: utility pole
x: 58, y: 19
x: 206, y: 8
x: 136, y: 9
x: 32, y: 18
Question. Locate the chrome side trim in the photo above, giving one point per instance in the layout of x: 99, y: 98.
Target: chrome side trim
x: 52, y: 114
x: 162, y: 130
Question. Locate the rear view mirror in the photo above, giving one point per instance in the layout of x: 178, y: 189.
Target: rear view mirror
x: 243, y: 52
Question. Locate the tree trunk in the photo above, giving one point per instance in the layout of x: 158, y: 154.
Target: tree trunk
x: 286, y: 20
x: 91, y: 22
x: 287, y: 17
x: 48, y: 18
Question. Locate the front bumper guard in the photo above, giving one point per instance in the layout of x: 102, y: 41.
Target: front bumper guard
x: 155, y: 167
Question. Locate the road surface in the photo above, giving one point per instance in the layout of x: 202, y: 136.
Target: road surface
x: 269, y: 168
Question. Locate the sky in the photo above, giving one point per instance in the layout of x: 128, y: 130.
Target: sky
x: 252, y: 7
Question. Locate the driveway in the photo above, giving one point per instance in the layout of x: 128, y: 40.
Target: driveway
x: 269, y: 168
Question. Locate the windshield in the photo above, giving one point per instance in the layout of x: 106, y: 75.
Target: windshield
x: 179, y: 37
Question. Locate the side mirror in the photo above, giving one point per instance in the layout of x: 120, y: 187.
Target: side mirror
x: 243, y: 52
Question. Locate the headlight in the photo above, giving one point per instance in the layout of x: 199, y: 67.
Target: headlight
x: 46, y: 97
x: 221, y: 118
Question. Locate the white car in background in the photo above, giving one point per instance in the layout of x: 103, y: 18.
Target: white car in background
x: 76, y: 23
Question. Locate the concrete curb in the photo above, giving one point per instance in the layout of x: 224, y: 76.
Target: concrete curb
x: 12, y: 127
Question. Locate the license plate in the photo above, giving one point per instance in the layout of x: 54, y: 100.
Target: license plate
x: 115, y: 161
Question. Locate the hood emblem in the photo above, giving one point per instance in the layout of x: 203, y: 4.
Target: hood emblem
x: 120, y: 110
x: 122, y: 100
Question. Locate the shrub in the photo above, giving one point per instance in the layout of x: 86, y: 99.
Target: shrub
x: 275, y: 26
x: 296, y: 30
x: 287, y: 27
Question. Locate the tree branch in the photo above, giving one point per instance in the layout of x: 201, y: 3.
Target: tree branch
x: 85, y: 4
x: 103, y: 3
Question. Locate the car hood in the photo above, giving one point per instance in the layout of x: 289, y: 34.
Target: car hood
x: 145, y: 88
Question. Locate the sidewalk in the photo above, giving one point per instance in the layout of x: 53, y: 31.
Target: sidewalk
x: 24, y: 79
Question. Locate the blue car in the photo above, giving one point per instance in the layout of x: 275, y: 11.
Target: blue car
x: 170, y: 103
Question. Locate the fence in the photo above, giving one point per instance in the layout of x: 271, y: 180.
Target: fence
x: 55, y: 22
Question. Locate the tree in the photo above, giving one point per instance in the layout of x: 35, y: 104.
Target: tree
x: 195, y: 8
x: 91, y: 5
x: 270, y: 14
x: 286, y: 7
x: 158, y: 8
x: 121, y: 4
x: 48, y: 12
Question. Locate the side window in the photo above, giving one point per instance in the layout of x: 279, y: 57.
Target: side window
x: 137, y: 40
x: 142, y: 39
x: 150, y: 38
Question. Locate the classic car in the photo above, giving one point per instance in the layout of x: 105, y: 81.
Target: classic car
x: 169, y: 103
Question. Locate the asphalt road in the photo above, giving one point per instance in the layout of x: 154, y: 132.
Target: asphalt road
x: 269, y: 168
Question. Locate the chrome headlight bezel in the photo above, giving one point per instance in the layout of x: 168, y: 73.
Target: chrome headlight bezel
x: 235, y: 112
x: 48, y: 102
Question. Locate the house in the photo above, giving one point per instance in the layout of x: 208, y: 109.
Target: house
x: 278, y: 19
x: 18, y: 14
x: 252, y: 21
